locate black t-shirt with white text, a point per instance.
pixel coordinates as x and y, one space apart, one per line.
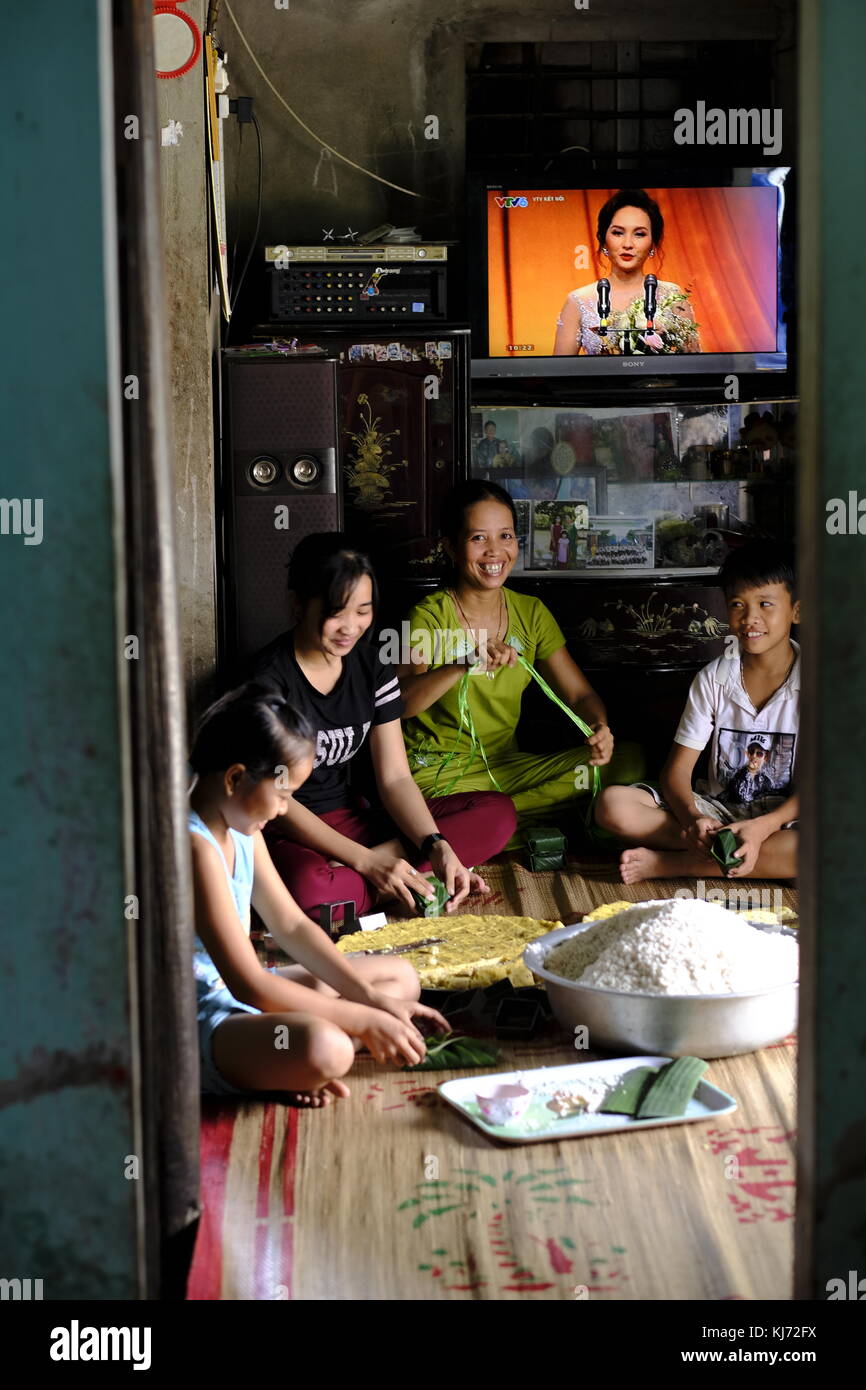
366 694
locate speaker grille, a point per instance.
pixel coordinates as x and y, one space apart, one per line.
263 555
279 409
282 405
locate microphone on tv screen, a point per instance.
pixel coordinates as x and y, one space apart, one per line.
650 291
603 288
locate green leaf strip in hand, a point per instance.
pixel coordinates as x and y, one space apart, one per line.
467 722
575 719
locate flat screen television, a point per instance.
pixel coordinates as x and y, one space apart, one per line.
538 310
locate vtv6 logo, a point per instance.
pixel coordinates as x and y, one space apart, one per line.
512 202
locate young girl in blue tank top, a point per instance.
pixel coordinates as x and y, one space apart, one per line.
296 1028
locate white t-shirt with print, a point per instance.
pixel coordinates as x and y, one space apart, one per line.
752 754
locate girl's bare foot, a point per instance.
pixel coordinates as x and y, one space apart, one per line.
314 1100
635 865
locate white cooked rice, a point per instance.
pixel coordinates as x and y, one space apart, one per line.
679 946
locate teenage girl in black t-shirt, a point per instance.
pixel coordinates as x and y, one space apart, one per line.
331 846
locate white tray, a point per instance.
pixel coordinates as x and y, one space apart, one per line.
707 1102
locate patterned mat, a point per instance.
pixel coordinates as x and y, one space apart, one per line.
392 1196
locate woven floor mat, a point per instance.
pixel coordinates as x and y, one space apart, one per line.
583 885
391 1195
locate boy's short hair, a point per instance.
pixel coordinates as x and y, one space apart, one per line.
758 563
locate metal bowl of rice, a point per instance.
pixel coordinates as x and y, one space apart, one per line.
670 1024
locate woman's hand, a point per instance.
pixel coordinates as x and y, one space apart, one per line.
458 880
751 838
393 877
499 654
391 1039
407 1009
601 743
697 834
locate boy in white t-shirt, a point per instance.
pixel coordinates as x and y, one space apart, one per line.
746 706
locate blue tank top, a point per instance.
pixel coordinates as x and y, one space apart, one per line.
240 882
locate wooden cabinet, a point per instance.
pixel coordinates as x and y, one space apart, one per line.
648 621
403 416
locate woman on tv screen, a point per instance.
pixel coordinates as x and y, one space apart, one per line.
630 231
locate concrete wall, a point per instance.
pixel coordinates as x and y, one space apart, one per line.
363 74
185 213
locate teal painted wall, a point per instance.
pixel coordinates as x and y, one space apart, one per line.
66 1114
832 1159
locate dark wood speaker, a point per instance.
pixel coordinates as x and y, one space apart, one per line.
281 482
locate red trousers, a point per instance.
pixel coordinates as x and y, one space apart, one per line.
476 825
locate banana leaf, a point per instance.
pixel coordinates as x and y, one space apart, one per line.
455 1050
628 1092
435 906
545 848
544 840
543 863
724 847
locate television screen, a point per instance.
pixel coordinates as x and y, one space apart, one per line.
713 252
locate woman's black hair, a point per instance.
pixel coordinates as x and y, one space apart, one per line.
758 563
253 725
466 495
325 565
631 198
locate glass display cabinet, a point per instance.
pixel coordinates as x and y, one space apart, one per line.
632 490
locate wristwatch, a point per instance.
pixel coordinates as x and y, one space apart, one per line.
428 842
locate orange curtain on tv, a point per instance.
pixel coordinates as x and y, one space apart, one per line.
720 242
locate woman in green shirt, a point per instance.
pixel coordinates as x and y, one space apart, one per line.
480 624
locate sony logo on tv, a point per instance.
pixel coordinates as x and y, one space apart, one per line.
512 202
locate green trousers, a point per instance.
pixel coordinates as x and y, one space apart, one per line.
544 787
